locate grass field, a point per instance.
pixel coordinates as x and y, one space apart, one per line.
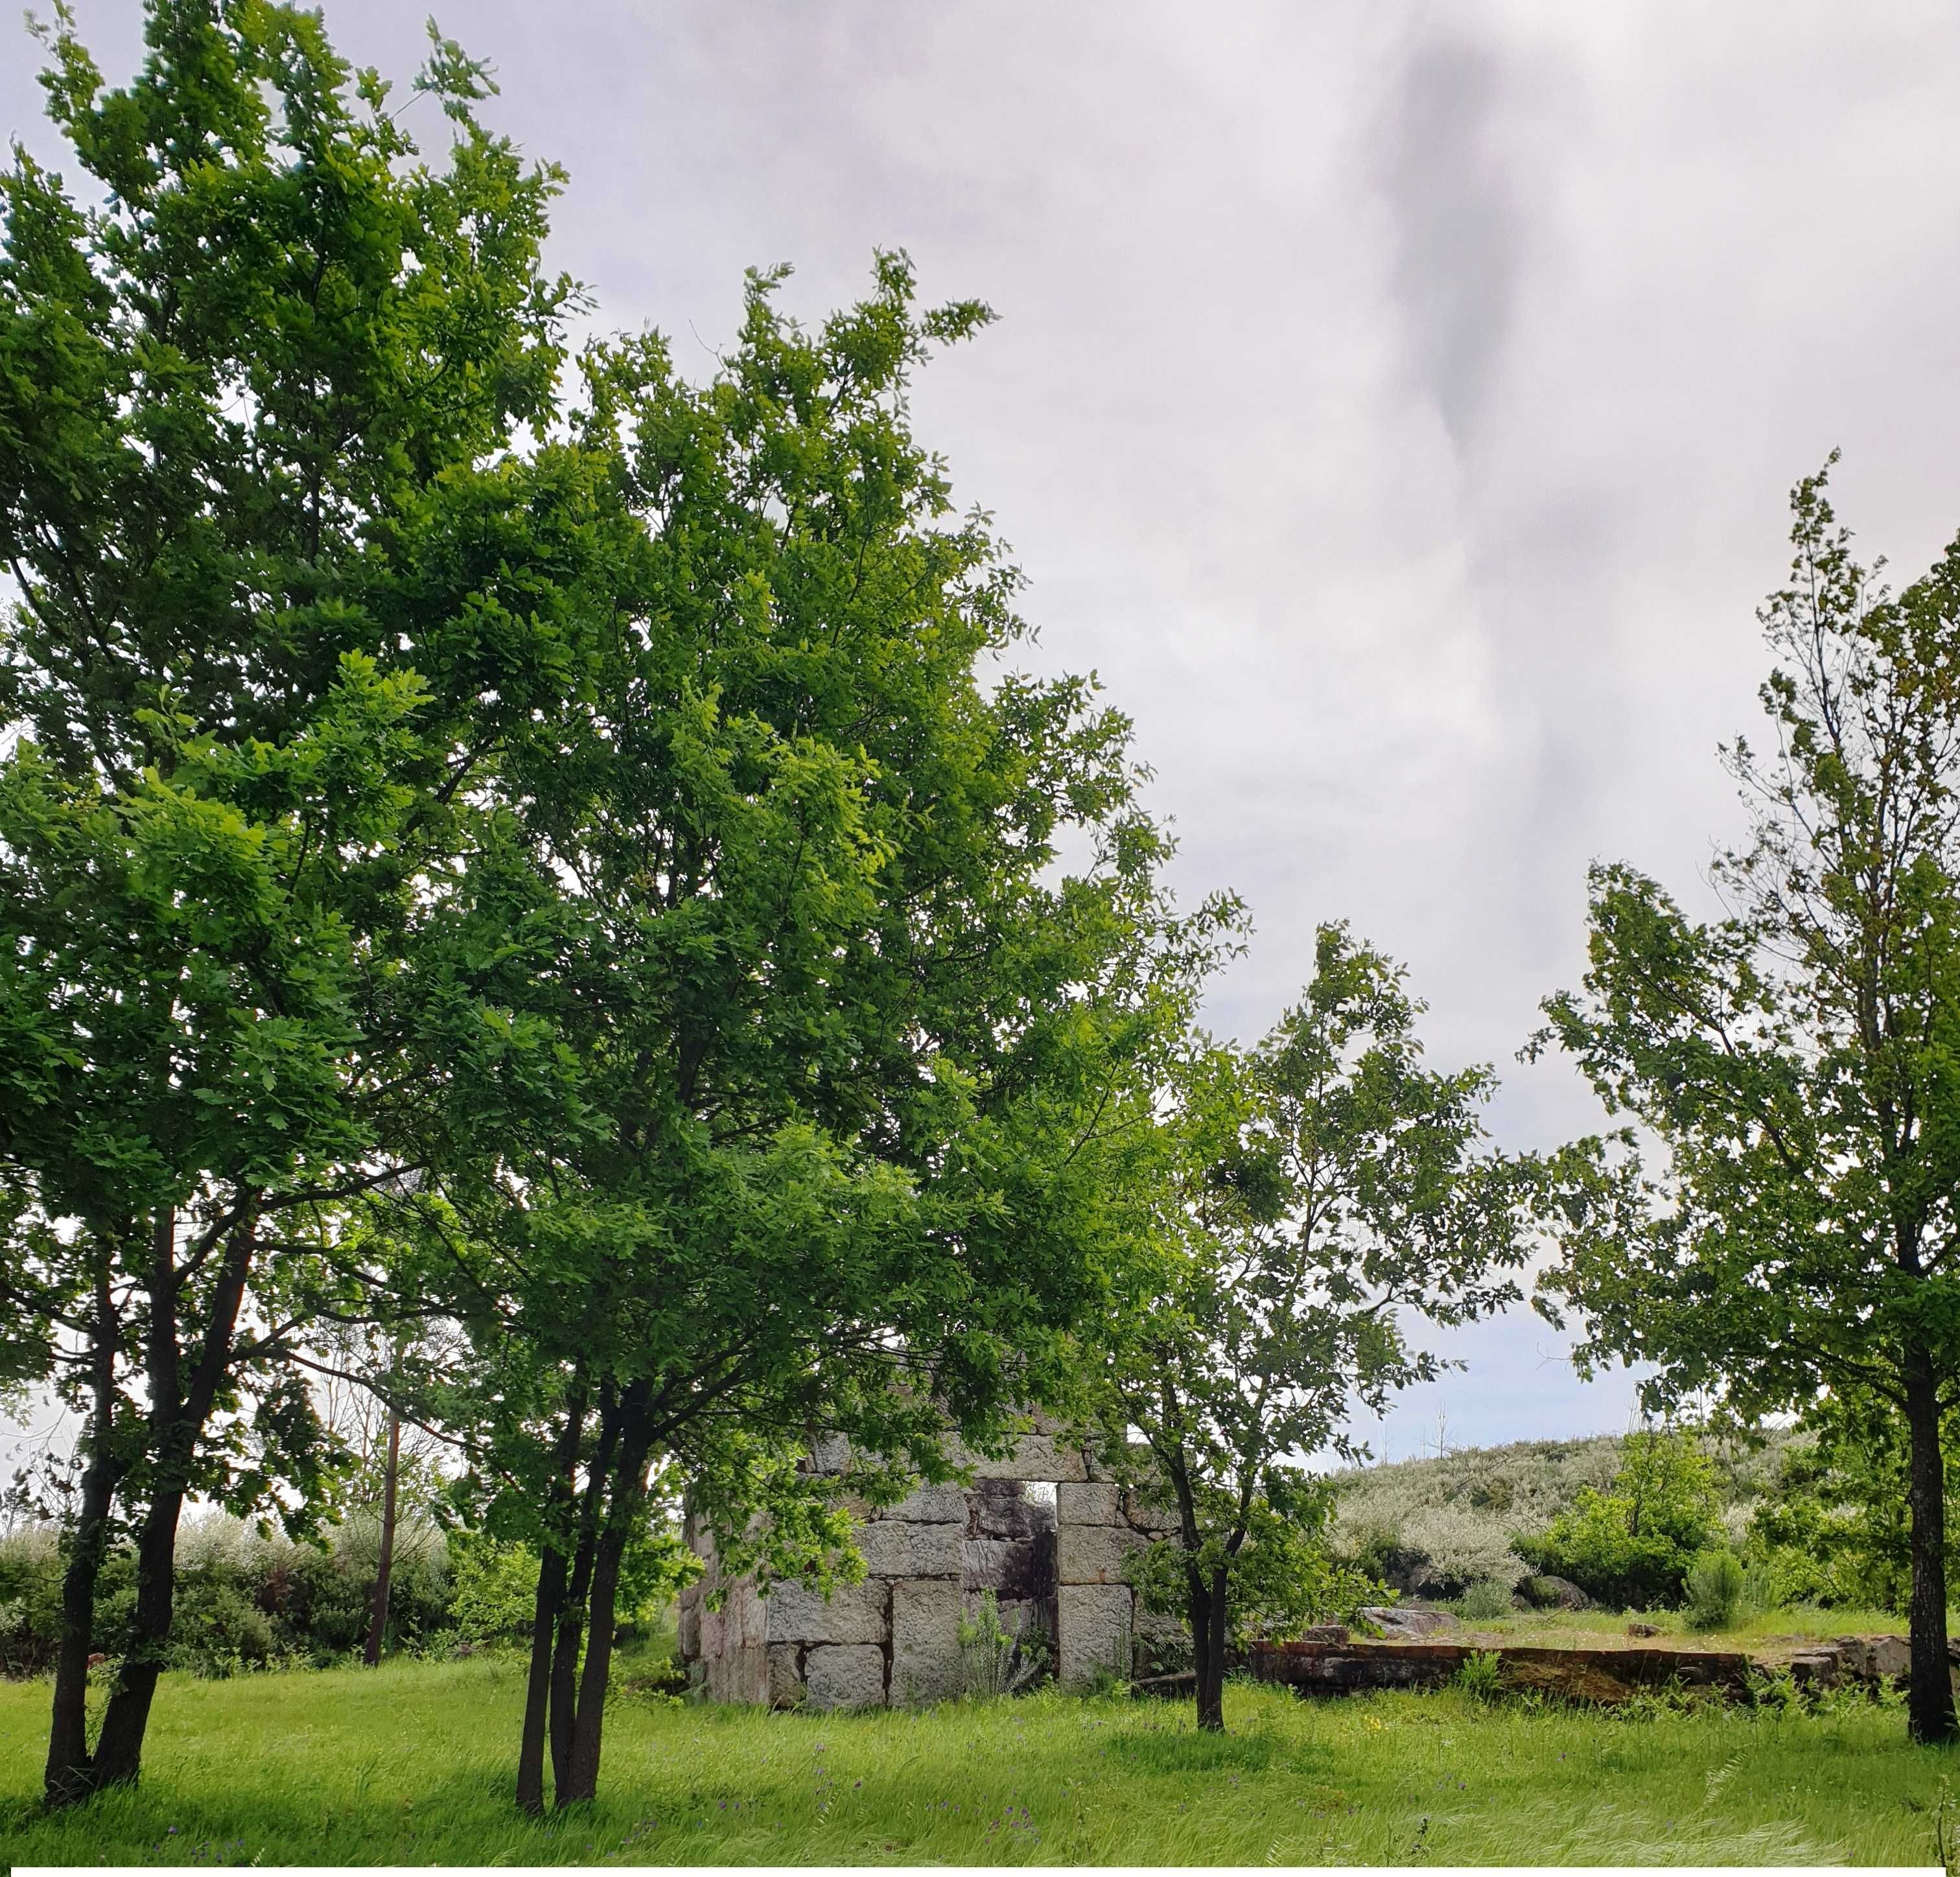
411 1764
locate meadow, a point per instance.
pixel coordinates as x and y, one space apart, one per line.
410 1764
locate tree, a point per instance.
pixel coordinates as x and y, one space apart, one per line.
771 1030
244 397
1792 1062
1307 1195
1631 1545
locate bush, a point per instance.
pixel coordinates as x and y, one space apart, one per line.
1631 1545
994 1663
1715 1588
1485 1601
496 1588
1481 1677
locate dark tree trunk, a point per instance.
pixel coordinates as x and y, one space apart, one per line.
629 1498
118 1754
550 1601
1929 1714
1205 1614
384 1568
177 1422
70 1774
572 1611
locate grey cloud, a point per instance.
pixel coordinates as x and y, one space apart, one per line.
1395 403
1459 226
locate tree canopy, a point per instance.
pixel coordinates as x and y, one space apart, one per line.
1792 1228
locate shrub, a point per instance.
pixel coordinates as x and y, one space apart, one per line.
1482 1676
1631 1545
1715 1585
1485 1601
995 1661
496 1588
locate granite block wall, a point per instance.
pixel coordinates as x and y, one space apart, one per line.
1037 1528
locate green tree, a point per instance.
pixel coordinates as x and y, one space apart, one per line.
258 385
775 1031
1791 1063
1631 1545
1307 1196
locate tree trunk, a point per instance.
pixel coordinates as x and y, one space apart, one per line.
176 1425
1929 1703
628 1496
118 1754
70 1774
384 1567
572 1611
1205 1614
550 1601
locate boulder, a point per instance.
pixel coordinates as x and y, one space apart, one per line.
1395 1622
1553 1593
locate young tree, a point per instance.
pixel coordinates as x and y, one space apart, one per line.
771 1027
1308 1196
1791 1063
257 388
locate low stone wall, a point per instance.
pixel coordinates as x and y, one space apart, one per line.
1055 1567
1337 1666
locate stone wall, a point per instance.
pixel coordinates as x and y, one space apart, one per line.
1054 1567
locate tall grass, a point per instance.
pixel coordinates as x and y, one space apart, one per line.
411 1764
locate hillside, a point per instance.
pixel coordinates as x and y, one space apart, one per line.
1440 1524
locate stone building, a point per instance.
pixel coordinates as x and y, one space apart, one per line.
1039 1529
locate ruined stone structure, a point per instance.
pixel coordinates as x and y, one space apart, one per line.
1039 1529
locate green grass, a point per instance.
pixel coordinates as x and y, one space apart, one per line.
411 1764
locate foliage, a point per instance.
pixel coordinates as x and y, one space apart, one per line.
1835 1529
1284 1578
496 1588
1791 1228
1487 1599
242 1600
1044 1778
767 981
259 384
1716 1587
1297 1200
1482 1675
993 1662
1631 1546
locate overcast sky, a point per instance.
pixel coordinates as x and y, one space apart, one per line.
1396 404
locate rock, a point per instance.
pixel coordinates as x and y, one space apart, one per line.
1553 1593
1605 1675
1395 1621
1093 1623
925 1642
1033 1456
1158 1517
1642 1629
931 1505
1816 1668
1086 1502
893 1548
786 1682
846 1675
854 1613
1874 1657
1325 1633
1094 1553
